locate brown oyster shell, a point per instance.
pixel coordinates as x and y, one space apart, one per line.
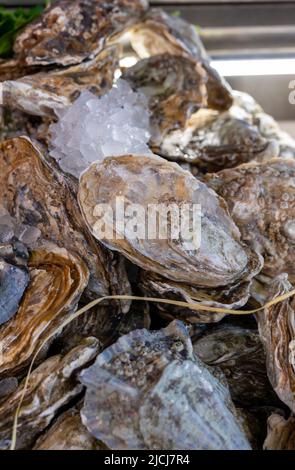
277 332
221 258
68 433
37 195
239 353
51 386
213 142
175 88
147 391
261 201
232 297
160 33
281 433
57 280
48 92
70 31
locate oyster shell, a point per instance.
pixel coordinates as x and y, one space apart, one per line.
281 433
277 332
147 391
213 141
39 197
261 201
48 92
239 353
13 282
70 31
220 260
51 386
232 297
160 33
68 433
57 280
175 87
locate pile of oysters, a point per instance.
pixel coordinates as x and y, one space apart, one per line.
133 374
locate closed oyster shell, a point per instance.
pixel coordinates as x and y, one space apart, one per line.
37 195
213 141
51 386
160 33
68 433
48 92
232 297
277 331
57 280
281 433
220 260
70 31
147 391
240 355
13 282
175 88
261 201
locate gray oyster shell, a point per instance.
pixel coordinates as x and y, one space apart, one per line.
13 282
147 391
219 260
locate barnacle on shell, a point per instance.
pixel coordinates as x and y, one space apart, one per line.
193 408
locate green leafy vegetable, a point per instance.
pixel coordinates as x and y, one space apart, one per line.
11 22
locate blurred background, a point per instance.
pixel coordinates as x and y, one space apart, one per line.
252 43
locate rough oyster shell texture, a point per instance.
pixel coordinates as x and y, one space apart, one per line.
220 260
193 409
215 141
37 195
46 93
281 433
277 331
261 201
73 30
51 386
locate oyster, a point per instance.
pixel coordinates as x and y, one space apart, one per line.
193 408
281 433
239 353
48 92
68 433
232 297
160 33
51 386
13 282
261 201
277 331
57 280
70 31
41 200
175 87
220 259
214 141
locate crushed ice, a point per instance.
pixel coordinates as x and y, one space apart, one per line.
93 128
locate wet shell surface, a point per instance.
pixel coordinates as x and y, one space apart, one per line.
193 408
220 259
